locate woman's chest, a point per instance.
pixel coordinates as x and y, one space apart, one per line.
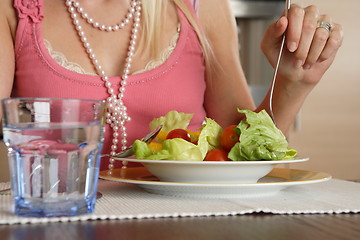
111 48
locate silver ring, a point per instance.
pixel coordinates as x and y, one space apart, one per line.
325 25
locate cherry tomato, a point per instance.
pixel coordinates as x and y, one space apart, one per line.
229 137
179 133
217 154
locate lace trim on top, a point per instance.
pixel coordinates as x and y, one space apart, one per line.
61 59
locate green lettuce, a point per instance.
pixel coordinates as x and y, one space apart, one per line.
176 149
209 137
172 120
260 139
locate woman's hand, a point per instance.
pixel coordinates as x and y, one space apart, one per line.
310 49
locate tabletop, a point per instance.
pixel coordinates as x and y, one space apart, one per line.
252 226
326 210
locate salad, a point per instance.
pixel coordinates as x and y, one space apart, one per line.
253 139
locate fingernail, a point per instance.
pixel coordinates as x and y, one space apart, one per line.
298 63
307 66
292 46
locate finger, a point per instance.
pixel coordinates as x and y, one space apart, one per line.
307 36
319 41
275 31
273 37
333 43
293 32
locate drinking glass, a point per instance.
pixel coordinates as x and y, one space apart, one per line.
54 148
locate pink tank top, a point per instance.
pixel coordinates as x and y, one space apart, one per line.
177 84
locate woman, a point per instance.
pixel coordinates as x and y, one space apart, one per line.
152 56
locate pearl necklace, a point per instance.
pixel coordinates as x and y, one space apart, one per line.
104 27
116 115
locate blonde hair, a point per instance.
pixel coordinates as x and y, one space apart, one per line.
152 12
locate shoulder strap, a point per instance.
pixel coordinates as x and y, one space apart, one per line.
33 9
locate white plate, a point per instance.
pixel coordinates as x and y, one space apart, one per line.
277 180
209 171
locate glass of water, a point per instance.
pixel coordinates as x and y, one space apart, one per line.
54 148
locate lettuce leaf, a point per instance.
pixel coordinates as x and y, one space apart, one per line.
209 137
172 120
260 139
176 149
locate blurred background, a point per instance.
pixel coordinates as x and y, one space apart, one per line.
328 127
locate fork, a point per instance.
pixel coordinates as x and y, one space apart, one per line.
128 151
287 6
